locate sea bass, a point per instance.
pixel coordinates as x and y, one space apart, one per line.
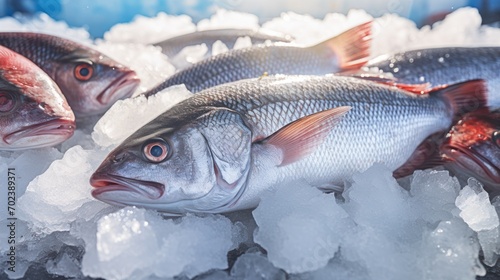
33 111
220 149
91 81
473 148
443 66
346 51
174 45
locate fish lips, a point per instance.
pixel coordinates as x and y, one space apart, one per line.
58 127
121 88
108 187
469 160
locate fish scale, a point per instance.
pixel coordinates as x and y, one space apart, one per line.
444 66
239 134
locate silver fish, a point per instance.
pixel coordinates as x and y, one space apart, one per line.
91 81
174 45
442 66
348 50
219 150
33 111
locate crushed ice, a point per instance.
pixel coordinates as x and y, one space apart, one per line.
376 230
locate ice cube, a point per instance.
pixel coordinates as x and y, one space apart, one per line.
136 243
476 209
127 116
255 266
300 227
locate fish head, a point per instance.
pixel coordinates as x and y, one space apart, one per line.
186 168
92 82
473 146
33 111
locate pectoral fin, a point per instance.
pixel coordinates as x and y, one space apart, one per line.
301 137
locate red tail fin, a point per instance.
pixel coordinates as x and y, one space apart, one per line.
464 97
352 47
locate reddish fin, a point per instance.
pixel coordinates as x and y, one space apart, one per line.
426 155
464 97
301 137
352 47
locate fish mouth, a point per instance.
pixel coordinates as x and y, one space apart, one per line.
473 162
121 88
105 183
58 127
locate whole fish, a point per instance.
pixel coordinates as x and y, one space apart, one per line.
33 111
473 148
219 150
442 66
345 51
174 45
91 81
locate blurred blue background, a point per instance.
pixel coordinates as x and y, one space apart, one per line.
99 15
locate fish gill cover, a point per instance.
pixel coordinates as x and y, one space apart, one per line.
429 229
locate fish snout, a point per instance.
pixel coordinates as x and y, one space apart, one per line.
121 88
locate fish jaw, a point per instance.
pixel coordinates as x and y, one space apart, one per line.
468 160
105 183
123 87
38 135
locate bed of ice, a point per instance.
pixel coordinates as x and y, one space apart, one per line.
423 227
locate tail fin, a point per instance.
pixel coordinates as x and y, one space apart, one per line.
352 47
464 97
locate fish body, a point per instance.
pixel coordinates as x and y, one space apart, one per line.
445 66
219 150
348 50
91 81
472 148
33 111
174 45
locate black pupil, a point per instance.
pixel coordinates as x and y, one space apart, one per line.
156 151
496 138
84 72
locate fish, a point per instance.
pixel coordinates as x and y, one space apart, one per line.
472 148
348 50
33 111
90 81
172 46
439 66
219 150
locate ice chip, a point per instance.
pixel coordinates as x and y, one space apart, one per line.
218 47
127 116
255 266
49 204
476 209
300 227
137 243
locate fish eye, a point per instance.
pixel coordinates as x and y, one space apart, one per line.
495 137
7 102
83 71
156 150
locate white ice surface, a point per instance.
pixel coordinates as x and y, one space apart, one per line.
434 230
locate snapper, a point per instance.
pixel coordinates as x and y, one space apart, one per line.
33 111
219 150
90 81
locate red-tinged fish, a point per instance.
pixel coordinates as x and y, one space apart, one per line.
473 148
219 150
348 50
174 45
33 111
440 66
91 81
